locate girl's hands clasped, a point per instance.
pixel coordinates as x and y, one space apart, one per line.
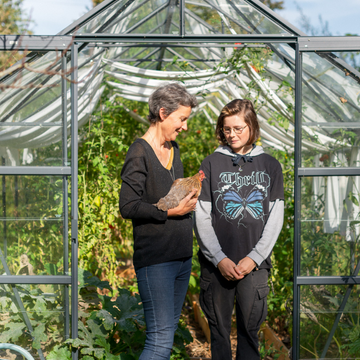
230 271
227 269
245 266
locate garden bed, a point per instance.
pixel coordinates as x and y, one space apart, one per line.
273 344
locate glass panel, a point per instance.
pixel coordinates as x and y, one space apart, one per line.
330 225
36 83
31 121
31 124
140 17
32 224
104 19
221 16
173 57
50 155
9 58
319 311
165 21
201 17
331 114
44 310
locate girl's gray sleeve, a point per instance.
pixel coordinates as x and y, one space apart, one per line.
270 233
205 233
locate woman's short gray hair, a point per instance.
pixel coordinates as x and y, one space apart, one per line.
169 97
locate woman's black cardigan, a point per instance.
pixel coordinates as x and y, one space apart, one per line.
157 237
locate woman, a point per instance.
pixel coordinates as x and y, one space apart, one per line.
239 216
162 239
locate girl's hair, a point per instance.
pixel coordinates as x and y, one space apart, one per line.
169 97
239 107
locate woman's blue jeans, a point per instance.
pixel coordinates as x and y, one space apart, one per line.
162 290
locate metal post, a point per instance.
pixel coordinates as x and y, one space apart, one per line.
16 195
297 200
74 197
352 253
65 199
182 17
4 207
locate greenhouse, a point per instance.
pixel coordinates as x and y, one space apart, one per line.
307 97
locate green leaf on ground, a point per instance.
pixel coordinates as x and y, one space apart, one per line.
13 331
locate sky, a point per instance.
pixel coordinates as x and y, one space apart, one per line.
51 16
342 15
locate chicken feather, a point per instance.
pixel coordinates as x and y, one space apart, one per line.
179 190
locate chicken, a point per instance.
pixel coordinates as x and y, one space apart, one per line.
179 190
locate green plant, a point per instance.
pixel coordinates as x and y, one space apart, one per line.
113 327
268 350
352 334
182 336
44 307
104 237
282 256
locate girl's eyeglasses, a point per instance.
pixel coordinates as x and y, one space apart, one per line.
237 130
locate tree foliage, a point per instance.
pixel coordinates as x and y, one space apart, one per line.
96 2
13 21
274 5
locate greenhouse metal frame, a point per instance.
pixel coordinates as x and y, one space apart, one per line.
65 171
71 37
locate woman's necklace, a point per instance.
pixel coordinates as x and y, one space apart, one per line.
241 167
157 151
159 156
247 158
172 174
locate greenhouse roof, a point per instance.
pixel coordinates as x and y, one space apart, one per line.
219 49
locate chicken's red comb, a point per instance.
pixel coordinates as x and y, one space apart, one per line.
202 175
